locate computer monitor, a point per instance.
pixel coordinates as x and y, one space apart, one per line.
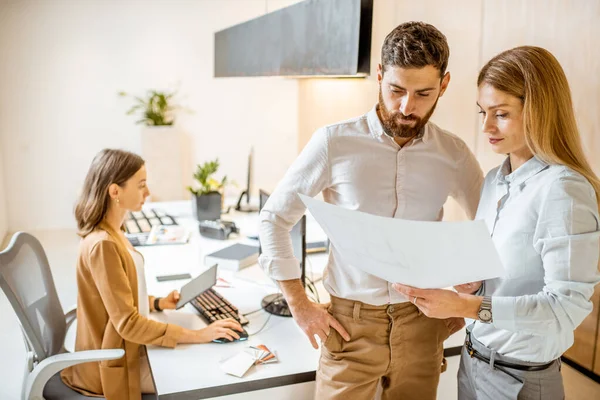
249 177
276 303
246 192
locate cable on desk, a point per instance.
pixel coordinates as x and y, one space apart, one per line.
313 282
252 312
262 327
313 289
262 308
270 315
311 286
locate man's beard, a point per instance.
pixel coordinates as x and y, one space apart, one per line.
391 121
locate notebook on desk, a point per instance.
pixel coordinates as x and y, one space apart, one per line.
234 257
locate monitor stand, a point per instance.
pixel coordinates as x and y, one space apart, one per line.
247 208
277 305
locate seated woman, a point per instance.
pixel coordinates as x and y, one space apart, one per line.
112 309
541 208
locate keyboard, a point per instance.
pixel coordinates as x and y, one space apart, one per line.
212 307
139 224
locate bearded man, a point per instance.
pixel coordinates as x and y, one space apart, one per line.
391 162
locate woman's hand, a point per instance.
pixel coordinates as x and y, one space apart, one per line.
169 302
441 303
224 328
468 288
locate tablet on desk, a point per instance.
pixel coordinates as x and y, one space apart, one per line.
199 284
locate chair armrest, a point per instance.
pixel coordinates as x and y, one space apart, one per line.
34 386
71 315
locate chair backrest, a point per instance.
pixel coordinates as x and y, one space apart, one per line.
26 280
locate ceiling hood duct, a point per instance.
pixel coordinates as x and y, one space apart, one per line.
312 38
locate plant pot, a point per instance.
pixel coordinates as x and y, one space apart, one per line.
207 206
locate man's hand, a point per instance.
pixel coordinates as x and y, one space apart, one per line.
314 319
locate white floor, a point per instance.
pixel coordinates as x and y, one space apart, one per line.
61 249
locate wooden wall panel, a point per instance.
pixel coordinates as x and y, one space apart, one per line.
596 365
568 29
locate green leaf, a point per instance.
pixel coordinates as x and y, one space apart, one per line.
133 109
156 108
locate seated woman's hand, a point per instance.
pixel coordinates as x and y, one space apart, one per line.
225 328
169 302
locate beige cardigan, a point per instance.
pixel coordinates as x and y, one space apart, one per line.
108 318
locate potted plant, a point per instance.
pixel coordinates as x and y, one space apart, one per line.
207 199
162 144
156 108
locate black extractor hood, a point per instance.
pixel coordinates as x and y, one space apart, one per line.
311 38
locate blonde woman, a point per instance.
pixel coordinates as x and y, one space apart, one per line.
112 309
541 207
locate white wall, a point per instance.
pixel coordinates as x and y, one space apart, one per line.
63 63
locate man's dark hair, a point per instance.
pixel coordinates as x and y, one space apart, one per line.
415 45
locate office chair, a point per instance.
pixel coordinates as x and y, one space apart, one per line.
26 280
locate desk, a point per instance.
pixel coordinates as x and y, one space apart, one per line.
192 371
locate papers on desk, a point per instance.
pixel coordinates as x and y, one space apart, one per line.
174 234
240 363
423 254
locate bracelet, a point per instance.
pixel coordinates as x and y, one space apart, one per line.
156 306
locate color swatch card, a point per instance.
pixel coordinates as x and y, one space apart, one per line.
262 354
240 363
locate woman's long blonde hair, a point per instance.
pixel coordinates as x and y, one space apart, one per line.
108 167
535 76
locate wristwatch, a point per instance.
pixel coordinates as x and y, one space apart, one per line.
157 304
485 310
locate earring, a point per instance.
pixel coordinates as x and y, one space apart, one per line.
118 201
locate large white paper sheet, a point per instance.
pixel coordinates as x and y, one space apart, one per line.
423 254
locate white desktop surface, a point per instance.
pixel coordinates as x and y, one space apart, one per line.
192 371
